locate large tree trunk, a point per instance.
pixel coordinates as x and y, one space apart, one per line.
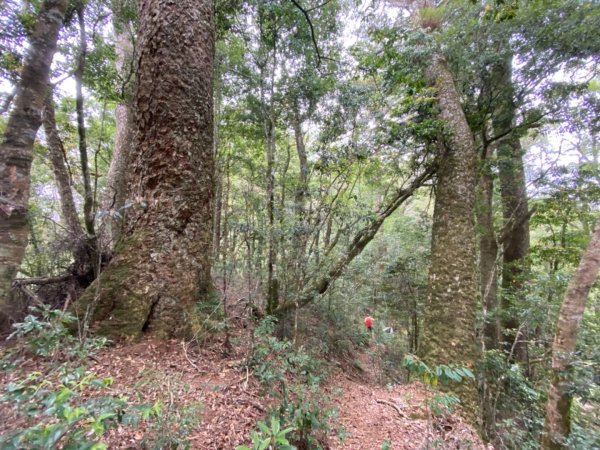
558 407
17 144
515 242
161 266
453 290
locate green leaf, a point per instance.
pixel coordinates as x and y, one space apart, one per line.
264 444
275 427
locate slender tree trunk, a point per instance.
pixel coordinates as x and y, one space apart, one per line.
488 254
218 100
88 196
57 156
115 193
161 267
488 267
17 144
272 282
515 245
301 195
452 301
558 406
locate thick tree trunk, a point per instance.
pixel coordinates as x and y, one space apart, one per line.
449 326
17 144
515 245
558 406
115 193
161 266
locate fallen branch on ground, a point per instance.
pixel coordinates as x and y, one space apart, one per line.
385 402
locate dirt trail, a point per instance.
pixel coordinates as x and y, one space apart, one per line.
393 415
233 401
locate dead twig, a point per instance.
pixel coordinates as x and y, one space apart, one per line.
385 402
185 353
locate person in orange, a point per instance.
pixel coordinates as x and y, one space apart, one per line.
369 323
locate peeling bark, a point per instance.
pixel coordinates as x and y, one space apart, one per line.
161 266
452 301
557 424
17 144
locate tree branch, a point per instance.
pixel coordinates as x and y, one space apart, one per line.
312 30
319 284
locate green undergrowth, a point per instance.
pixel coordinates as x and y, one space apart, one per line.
62 404
300 418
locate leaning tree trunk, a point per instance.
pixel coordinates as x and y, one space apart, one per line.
161 266
558 406
62 177
16 150
515 239
453 290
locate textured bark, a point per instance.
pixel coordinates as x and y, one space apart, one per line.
557 424
161 266
17 144
57 155
452 301
115 193
515 244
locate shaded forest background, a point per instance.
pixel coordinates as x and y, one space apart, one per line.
431 164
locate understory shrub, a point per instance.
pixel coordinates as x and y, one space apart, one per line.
294 378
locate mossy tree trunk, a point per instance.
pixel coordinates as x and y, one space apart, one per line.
16 149
448 335
161 266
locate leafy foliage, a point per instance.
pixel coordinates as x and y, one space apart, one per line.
293 377
63 413
47 333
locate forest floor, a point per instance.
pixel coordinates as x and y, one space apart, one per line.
232 400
